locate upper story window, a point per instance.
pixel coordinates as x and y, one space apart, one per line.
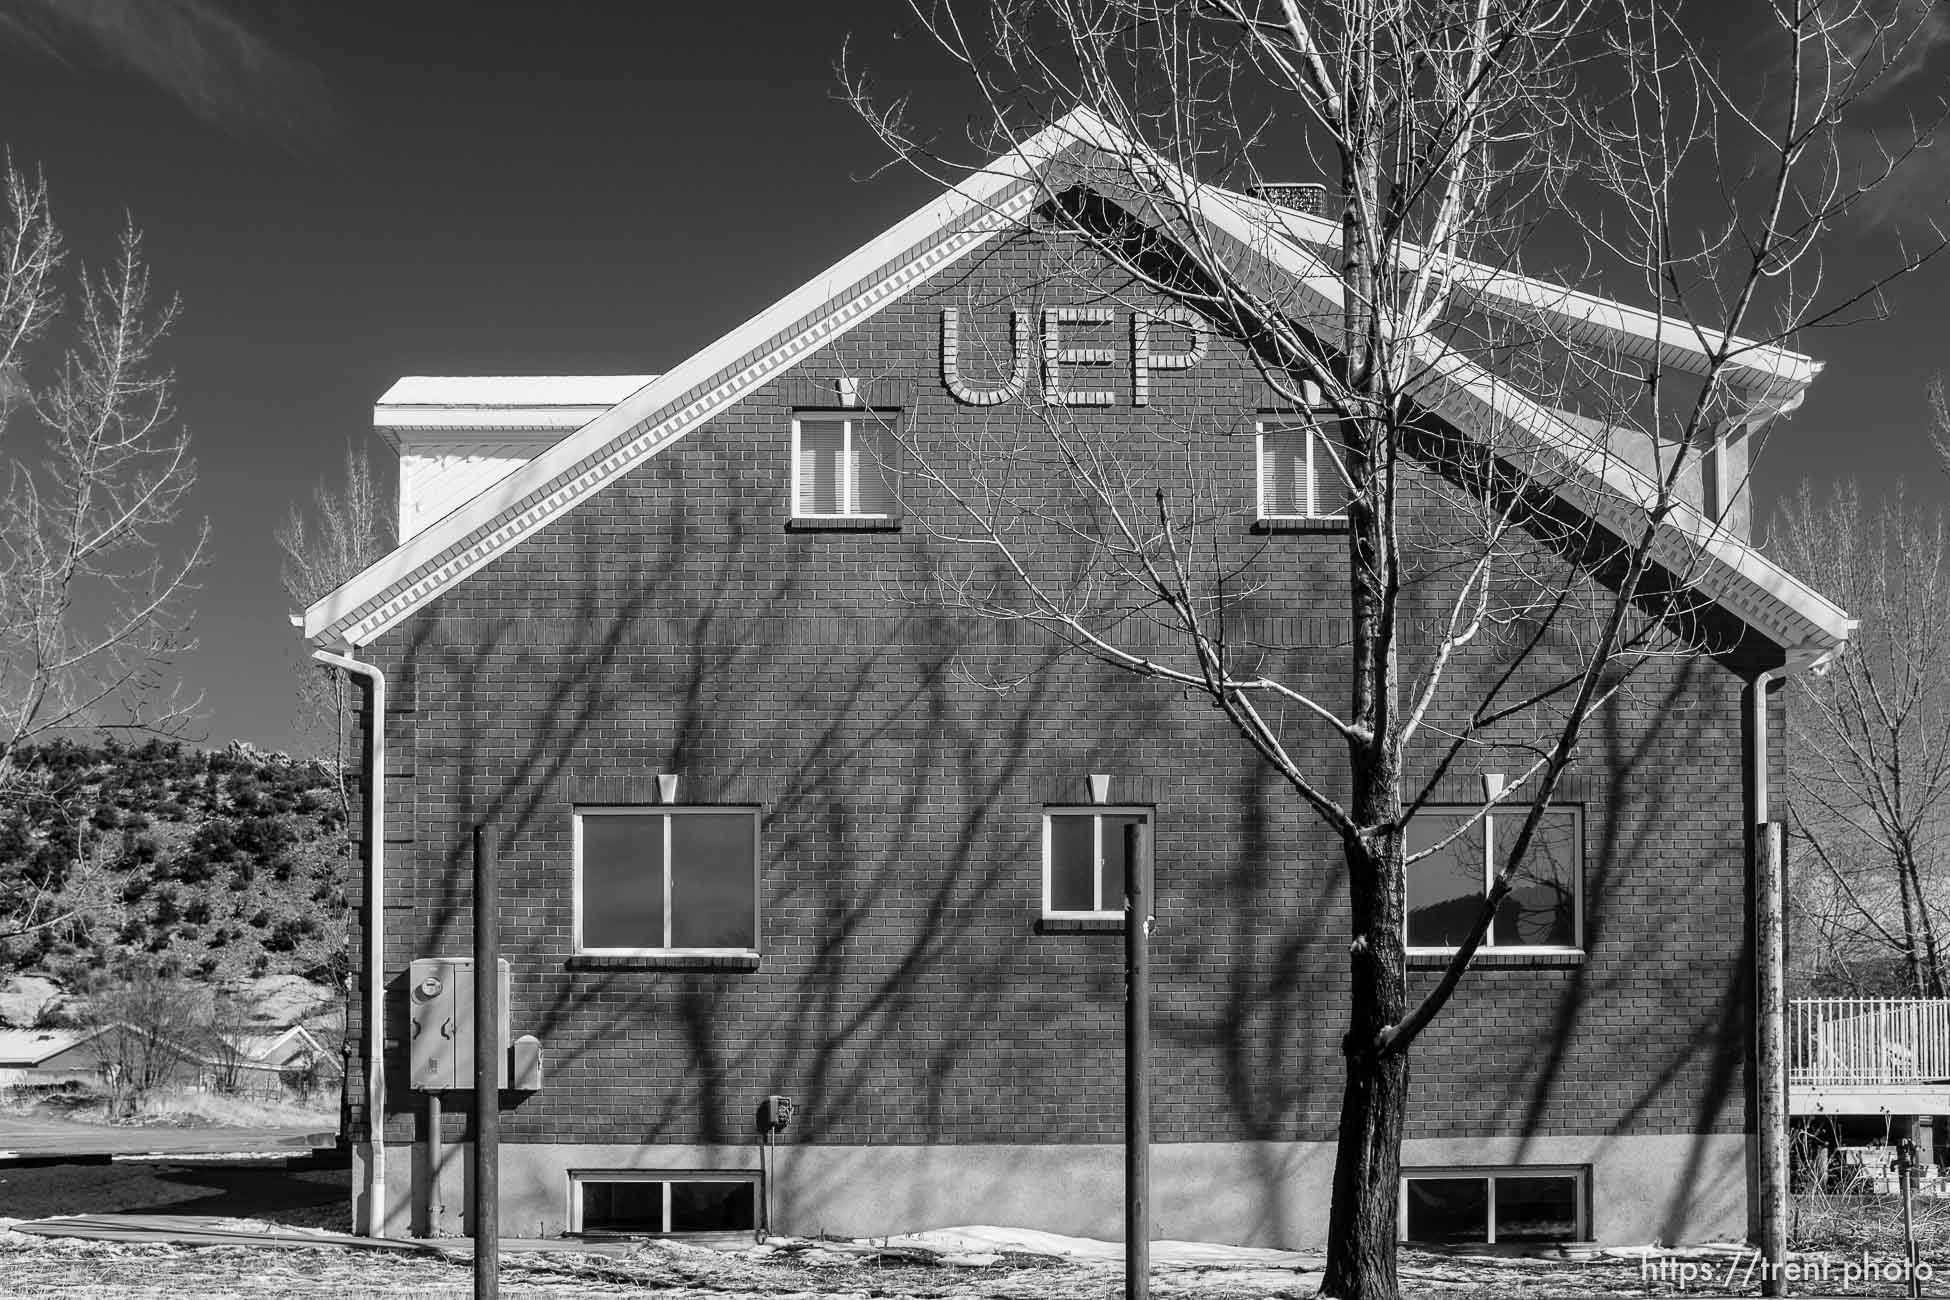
662 880
1084 862
1300 473
845 464
1544 911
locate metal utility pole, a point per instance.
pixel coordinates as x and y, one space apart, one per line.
487 1074
1906 1183
1771 1057
1137 1065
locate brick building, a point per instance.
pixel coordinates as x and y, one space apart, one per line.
886 890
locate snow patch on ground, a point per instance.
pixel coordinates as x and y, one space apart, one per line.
23 999
985 1239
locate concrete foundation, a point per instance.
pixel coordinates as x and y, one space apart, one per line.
1670 1189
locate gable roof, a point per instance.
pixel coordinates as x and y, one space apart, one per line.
26 1048
990 203
276 1046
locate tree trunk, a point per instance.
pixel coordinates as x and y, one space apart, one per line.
1930 965
1362 1225
1912 966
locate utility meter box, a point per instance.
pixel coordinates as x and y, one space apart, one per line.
440 1053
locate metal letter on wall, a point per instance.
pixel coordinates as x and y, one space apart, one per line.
1144 360
1019 346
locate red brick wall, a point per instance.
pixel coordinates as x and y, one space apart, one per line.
672 624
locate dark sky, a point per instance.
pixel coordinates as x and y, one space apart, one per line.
344 193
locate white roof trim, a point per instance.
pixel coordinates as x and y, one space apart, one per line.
1761 367
660 413
511 390
1618 492
545 405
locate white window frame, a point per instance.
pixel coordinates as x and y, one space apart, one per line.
1315 457
667 812
1579 1174
578 1178
1489 874
849 458
1096 813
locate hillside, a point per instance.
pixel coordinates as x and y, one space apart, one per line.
226 866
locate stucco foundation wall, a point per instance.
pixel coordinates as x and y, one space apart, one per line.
1674 1188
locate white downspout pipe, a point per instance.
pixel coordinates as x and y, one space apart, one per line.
375 1225
1758 724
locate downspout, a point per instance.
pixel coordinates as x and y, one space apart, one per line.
1757 729
375 1225
1771 1109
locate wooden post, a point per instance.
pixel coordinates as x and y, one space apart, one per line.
1771 1055
487 1074
1137 1051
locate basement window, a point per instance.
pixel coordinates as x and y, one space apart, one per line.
660 881
1300 473
1494 1206
1084 866
658 1202
1543 912
846 466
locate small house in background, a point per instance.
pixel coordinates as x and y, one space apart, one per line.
267 1064
270 1063
273 1063
763 834
47 1058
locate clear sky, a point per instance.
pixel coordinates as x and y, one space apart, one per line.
344 193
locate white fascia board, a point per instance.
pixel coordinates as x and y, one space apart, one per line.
419 426
566 472
548 405
1772 372
1611 477
511 390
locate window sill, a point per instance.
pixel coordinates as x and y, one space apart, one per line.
664 961
842 524
1080 925
1488 959
1300 525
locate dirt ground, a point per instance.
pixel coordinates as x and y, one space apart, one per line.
258 1189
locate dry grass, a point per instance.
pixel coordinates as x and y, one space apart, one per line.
185 1108
1850 1225
215 1110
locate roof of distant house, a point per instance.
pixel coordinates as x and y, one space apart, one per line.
25 1048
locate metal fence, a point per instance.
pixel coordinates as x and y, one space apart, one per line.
1868 1041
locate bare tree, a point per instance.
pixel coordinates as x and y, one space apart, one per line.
1871 758
1465 139
224 1042
346 529
95 566
148 1028
1940 421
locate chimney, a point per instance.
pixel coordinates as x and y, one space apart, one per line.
1300 196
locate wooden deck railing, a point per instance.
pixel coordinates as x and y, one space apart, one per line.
1868 1042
